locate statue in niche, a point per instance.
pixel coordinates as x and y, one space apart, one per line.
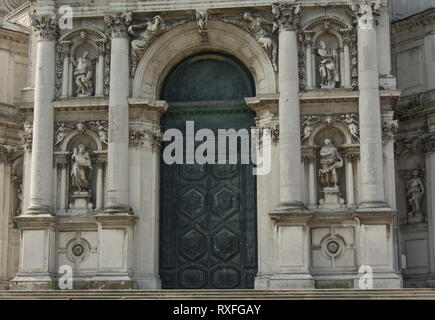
308 126
149 30
83 75
352 124
328 66
81 168
414 194
330 161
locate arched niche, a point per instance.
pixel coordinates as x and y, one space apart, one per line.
339 137
92 143
71 47
342 135
335 32
184 41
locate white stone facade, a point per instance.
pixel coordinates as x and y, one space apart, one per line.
324 84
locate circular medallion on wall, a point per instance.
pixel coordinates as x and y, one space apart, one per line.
332 246
77 249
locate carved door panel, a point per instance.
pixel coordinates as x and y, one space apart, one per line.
208 227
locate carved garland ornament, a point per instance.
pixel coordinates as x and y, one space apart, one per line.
140 136
310 122
63 130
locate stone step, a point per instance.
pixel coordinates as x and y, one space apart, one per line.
332 294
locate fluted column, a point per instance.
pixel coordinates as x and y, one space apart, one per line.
347 63
65 76
350 195
99 83
372 184
289 112
43 115
308 59
117 156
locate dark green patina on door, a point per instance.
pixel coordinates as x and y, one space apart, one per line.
208 236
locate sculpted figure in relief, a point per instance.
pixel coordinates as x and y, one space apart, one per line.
61 133
308 126
330 161
257 26
81 168
328 66
415 192
83 75
144 33
352 125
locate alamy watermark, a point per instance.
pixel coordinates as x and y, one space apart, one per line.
182 150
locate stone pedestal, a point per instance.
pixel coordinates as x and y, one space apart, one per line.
81 204
416 217
331 198
36 268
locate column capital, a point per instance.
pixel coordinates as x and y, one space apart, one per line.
46 27
286 15
365 13
117 24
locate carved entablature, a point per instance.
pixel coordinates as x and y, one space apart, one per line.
330 53
45 27
346 123
95 131
141 136
82 64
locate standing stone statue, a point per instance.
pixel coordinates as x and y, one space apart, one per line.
81 168
83 75
414 194
330 161
328 66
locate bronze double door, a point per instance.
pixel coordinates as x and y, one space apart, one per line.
208 230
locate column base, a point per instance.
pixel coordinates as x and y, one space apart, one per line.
147 283
292 281
373 204
39 210
291 207
118 209
383 280
32 282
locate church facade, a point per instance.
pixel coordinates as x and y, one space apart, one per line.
214 144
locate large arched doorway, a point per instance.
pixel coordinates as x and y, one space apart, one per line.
208 236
